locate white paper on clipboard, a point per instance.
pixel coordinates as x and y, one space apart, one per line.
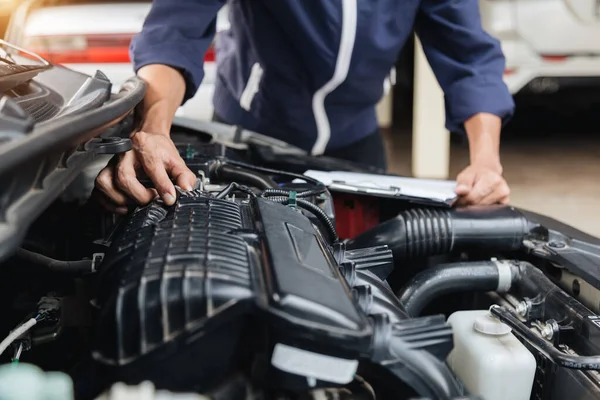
439 191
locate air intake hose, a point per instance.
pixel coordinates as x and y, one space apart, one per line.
425 232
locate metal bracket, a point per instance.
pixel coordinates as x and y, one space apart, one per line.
18 49
109 145
97 259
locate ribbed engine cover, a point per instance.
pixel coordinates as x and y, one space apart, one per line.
193 292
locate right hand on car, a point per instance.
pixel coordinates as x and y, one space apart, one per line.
153 155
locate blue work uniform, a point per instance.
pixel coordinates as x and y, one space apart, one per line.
310 72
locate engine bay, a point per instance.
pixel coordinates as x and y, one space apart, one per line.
265 283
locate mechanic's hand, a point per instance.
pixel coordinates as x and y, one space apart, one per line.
153 154
482 184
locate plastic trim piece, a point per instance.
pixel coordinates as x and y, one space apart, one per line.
35 169
313 365
73 130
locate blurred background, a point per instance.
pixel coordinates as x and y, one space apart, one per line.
550 151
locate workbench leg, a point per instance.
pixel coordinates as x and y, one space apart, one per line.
431 141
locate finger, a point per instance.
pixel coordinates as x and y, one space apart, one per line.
500 195
484 187
184 177
504 201
105 184
126 180
464 182
461 202
156 171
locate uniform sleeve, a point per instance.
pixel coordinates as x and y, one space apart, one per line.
177 33
467 62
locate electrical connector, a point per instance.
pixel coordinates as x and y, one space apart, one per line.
49 324
292 200
49 310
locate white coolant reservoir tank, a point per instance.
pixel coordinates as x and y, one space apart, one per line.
489 359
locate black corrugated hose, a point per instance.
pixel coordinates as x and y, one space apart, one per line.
412 234
424 232
282 192
320 214
234 186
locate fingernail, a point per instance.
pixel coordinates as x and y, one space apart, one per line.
121 210
461 188
169 199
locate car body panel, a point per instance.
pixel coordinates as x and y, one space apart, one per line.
559 26
74 19
545 40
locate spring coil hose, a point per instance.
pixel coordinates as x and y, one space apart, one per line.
315 210
281 192
428 232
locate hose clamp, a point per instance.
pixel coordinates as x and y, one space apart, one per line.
505 275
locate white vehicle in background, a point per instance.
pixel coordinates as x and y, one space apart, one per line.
91 35
549 44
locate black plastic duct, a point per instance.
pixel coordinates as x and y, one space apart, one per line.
427 232
376 297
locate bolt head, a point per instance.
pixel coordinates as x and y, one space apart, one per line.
547 332
557 245
521 309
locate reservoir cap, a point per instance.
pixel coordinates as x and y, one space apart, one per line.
489 325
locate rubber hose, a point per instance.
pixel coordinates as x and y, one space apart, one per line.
83 266
543 346
282 192
272 171
245 176
315 210
533 283
424 232
234 186
476 276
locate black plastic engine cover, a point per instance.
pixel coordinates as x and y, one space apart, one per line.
191 293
